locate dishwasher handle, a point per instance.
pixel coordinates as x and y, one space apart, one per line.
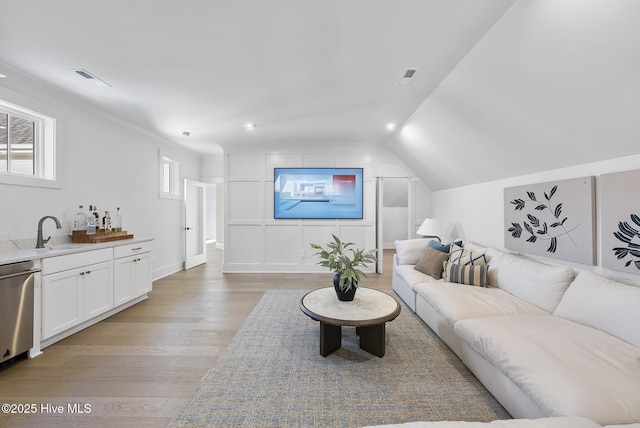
24 272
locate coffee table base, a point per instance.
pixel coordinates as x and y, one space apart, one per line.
372 338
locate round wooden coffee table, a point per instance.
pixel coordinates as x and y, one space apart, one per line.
368 312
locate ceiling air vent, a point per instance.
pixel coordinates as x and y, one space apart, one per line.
407 76
84 73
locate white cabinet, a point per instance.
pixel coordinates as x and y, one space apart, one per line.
132 271
75 288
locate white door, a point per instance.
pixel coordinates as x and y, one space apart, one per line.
195 225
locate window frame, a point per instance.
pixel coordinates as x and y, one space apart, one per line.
171 162
44 148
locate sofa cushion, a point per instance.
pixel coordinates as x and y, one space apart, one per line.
431 262
465 274
455 302
411 276
561 365
603 304
409 251
538 283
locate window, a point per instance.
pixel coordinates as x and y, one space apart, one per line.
169 177
27 145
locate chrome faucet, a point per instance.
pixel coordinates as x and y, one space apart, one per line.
40 242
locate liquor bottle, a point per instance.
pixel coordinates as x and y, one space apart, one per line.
106 222
91 222
97 216
80 222
117 221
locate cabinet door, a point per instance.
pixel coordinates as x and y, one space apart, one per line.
123 280
98 289
61 302
142 274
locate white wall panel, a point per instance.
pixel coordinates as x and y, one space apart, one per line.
281 160
244 201
244 246
245 165
319 160
275 252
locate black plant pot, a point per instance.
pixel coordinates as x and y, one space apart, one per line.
343 295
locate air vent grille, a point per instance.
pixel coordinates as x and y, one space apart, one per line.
407 76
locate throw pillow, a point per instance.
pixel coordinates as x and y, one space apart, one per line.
465 274
431 262
458 255
445 248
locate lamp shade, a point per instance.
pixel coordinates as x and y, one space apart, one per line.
428 228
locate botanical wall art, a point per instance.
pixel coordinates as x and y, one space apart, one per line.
553 219
620 214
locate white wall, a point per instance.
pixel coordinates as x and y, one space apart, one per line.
102 161
476 212
255 242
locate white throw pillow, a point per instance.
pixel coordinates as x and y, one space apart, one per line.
409 251
604 304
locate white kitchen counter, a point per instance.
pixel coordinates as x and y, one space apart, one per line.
21 250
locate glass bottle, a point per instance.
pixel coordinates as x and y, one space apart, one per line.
96 216
91 222
107 222
117 221
80 222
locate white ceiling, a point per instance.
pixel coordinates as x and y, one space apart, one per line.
505 87
553 84
304 71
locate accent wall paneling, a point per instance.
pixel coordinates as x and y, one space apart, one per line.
256 242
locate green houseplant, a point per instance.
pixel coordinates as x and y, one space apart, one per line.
345 261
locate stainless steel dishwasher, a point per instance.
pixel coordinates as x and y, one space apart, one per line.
16 309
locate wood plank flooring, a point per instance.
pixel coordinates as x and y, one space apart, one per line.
140 367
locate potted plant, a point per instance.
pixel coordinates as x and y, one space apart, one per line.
344 261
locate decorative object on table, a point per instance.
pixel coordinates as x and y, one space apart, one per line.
344 261
620 221
553 219
428 229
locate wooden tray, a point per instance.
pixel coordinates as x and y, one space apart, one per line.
81 237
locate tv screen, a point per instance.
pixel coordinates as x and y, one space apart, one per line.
317 193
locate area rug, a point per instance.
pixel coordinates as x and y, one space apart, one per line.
272 375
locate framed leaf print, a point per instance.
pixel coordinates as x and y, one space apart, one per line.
553 219
620 214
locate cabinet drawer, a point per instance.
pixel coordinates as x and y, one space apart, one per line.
132 249
72 261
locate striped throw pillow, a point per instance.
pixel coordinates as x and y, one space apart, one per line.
465 274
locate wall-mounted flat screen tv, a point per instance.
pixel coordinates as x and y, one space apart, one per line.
317 193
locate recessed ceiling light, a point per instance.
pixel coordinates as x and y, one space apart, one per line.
2 76
84 73
390 126
250 125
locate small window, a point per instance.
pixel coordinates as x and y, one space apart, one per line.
169 177
27 145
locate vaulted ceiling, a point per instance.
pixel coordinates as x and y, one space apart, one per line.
504 87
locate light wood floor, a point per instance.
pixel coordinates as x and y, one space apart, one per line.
140 367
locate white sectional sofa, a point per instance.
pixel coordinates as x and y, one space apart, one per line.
544 341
